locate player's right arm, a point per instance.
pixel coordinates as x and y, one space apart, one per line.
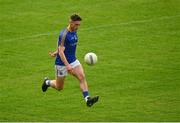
63 58
61 49
62 55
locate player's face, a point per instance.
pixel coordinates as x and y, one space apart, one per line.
75 25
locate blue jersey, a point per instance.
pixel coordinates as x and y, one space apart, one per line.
69 41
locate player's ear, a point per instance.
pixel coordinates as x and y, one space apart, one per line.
72 24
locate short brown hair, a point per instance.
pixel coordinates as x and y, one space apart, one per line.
75 17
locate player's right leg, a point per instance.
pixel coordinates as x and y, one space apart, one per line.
80 75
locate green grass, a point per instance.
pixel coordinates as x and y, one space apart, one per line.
137 75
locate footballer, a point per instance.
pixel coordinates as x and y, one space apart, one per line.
66 61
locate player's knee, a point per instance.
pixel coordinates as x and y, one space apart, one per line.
81 77
59 85
59 88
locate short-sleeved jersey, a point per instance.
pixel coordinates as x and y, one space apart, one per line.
69 41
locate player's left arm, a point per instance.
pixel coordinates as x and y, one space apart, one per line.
53 54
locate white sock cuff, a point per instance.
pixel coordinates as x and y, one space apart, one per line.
48 82
86 98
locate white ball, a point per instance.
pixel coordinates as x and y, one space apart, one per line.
90 58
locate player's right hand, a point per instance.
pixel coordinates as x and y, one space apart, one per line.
69 69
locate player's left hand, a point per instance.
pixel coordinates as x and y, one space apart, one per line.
52 54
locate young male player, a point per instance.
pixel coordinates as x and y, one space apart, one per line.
66 61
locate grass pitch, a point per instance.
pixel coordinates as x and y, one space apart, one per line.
137 76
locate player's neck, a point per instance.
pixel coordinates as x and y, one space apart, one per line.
69 28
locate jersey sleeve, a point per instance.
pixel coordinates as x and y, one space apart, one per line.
62 38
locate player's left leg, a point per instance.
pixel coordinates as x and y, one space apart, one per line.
79 74
58 83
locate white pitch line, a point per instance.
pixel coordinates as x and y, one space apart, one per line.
133 22
95 27
31 36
